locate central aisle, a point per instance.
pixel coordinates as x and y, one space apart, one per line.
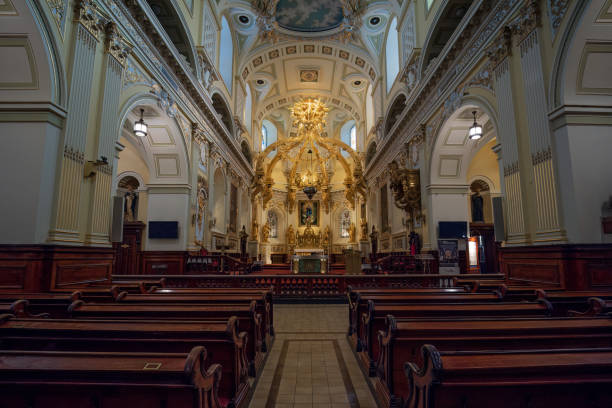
311 364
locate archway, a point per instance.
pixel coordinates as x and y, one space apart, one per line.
219 193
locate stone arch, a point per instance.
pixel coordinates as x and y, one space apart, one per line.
222 108
171 18
219 193
444 24
370 152
397 107
246 151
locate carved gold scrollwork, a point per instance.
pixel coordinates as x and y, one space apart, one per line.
405 184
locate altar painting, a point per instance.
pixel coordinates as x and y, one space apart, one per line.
309 212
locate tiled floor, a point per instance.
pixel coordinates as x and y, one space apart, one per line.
310 364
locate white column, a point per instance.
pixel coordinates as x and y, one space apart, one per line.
65 226
516 233
548 228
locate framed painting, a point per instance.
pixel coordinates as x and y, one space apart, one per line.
309 211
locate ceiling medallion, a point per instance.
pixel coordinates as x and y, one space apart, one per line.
309 75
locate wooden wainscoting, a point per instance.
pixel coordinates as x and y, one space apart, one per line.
573 267
34 268
163 262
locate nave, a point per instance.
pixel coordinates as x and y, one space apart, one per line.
311 363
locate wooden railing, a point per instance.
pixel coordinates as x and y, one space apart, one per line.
216 265
306 285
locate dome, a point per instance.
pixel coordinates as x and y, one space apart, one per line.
309 16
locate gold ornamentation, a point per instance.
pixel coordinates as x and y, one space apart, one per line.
265 232
405 185
87 15
115 45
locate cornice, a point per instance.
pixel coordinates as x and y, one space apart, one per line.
191 92
445 74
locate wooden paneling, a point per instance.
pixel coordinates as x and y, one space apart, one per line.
163 262
574 267
39 268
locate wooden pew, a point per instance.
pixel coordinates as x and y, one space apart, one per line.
375 319
94 380
19 308
262 297
359 305
248 318
564 301
224 344
402 339
597 307
534 379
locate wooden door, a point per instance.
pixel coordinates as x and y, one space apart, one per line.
128 252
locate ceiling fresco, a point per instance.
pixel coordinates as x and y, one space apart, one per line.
309 15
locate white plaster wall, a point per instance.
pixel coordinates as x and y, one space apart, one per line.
585 179
447 207
168 207
27 162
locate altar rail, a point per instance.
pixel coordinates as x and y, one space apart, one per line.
326 286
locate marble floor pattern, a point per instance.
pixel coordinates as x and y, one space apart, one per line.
310 364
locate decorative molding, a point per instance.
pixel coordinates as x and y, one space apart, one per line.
88 16
557 10
115 45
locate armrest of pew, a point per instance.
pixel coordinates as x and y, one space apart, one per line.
6 317
206 379
546 303
384 365
19 308
117 294
597 307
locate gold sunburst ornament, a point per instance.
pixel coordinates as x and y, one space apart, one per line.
309 115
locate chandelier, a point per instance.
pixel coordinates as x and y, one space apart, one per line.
140 127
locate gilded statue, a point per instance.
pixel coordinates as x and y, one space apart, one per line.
290 236
352 232
325 237
291 199
326 199
364 230
254 229
265 232
201 205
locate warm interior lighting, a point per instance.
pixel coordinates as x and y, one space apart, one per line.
140 127
309 180
475 131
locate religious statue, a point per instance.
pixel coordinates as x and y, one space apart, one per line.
290 236
201 205
291 194
477 213
254 229
374 240
265 232
131 198
243 241
352 233
326 199
364 230
325 237
414 243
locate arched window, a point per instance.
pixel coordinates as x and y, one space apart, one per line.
273 221
392 54
268 135
348 134
264 137
248 106
353 135
345 223
226 54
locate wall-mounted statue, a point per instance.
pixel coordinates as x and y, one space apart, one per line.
352 233
243 241
364 230
265 232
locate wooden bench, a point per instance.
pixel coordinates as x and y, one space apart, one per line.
91 380
19 308
263 299
564 301
359 304
597 307
375 319
248 318
402 340
534 379
225 345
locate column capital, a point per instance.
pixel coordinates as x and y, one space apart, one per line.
115 44
501 47
86 14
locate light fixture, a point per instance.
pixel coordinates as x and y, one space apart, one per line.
475 131
140 127
309 189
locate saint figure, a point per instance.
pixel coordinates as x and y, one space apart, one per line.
374 240
243 241
477 214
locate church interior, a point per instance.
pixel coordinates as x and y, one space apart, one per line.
305 204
